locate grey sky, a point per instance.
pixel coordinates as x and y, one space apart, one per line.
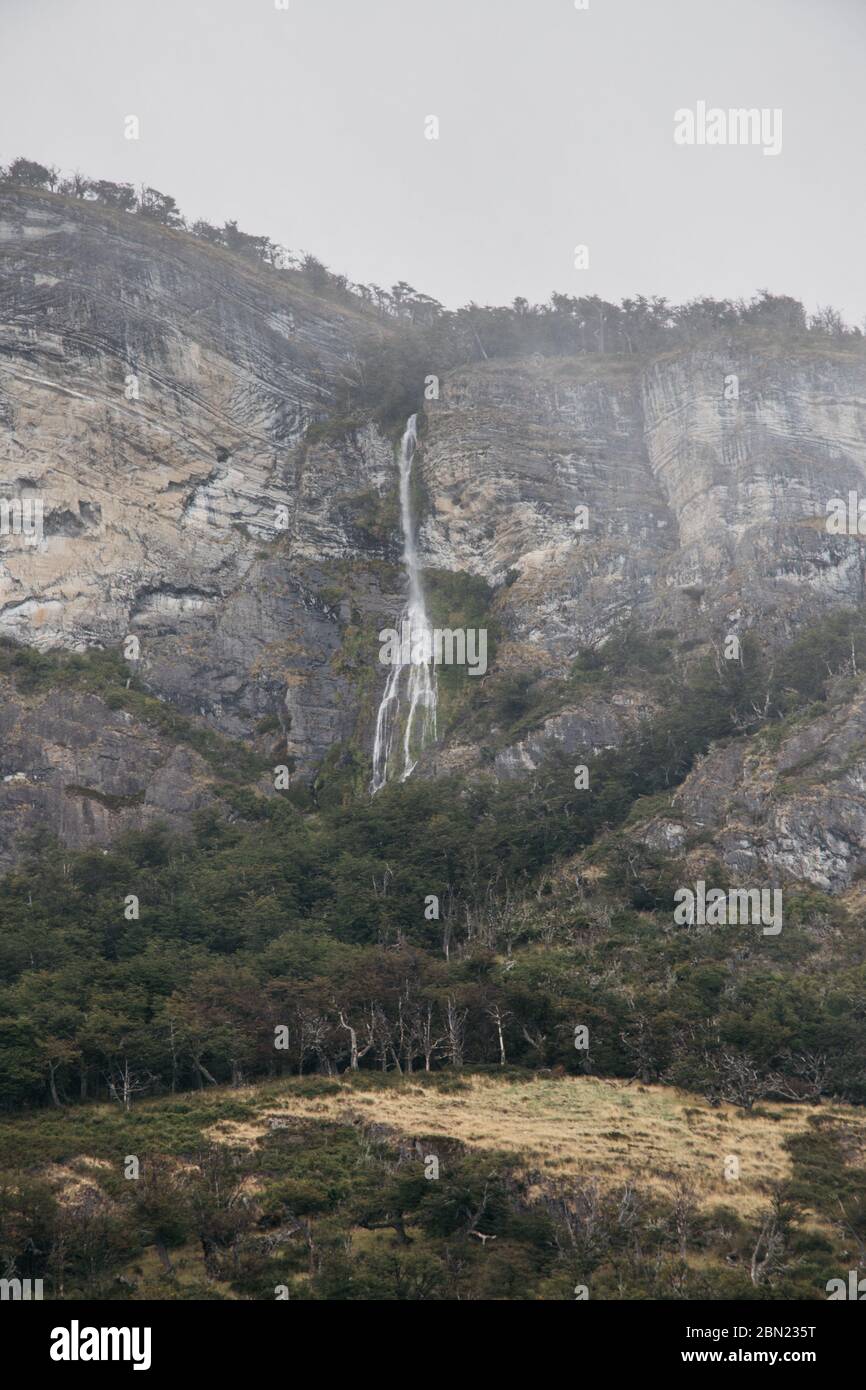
556 129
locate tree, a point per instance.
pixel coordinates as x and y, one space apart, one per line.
113 195
92 1239
124 1084
776 311
828 322
220 1014
159 207
768 1256
218 1210
737 1079
160 1200
208 232
28 174
455 1026
428 1043
77 184
355 1052
499 1017
315 272
254 247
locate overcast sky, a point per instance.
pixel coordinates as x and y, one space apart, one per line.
556 128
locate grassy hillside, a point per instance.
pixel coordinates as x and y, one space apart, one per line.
427 1187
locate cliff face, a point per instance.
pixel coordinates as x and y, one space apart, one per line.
156 393
780 809
512 450
87 772
706 515
177 410
748 479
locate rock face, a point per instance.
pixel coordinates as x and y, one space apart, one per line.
177 412
71 766
155 396
580 731
706 515
511 451
792 811
748 480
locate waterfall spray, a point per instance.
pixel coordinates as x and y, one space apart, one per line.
406 721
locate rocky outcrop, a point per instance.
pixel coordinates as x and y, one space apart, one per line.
581 731
787 805
72 766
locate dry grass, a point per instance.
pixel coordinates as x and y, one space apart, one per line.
70 1186
579 1127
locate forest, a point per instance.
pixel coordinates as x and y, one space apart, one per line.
307 932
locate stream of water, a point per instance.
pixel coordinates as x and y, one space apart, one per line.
406 722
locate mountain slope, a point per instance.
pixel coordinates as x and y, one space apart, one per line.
181 412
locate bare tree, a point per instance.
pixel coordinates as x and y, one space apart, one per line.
124 1085
455 1025
314 1037
853 1222
355 1053
410 1027
382 1034
809 1081
201 1071
640 1043
684 1209
537 1041
428 1043
479 1212
499 1016
737 1079
768 1256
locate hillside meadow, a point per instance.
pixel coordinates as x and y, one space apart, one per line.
477 1185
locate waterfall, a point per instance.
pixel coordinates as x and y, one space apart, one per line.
406 721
